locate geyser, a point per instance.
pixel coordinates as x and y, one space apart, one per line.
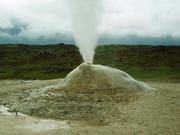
85 19
90 76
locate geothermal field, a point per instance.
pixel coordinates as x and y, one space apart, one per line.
118 94
92 99
87 98
86 88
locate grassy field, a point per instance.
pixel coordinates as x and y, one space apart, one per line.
50 62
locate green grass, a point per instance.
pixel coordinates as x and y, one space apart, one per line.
56 61
154 73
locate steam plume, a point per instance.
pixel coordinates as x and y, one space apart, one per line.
85 16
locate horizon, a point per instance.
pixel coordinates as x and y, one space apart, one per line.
126 41
99 45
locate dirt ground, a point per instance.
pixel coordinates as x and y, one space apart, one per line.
157 112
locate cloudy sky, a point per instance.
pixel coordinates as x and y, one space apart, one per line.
121 22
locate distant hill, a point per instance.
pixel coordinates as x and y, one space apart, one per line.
55 61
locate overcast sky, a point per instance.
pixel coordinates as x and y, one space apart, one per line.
121 21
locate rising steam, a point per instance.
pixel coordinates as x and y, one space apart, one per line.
85 16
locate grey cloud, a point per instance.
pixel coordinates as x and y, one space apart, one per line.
106 39
60 38
130 21
136 40
15 29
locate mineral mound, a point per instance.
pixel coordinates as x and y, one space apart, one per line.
92 93
90 76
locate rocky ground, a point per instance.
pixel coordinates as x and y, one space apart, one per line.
93 112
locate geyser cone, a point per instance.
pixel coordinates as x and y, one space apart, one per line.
90 76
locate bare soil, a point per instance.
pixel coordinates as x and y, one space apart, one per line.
151 113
